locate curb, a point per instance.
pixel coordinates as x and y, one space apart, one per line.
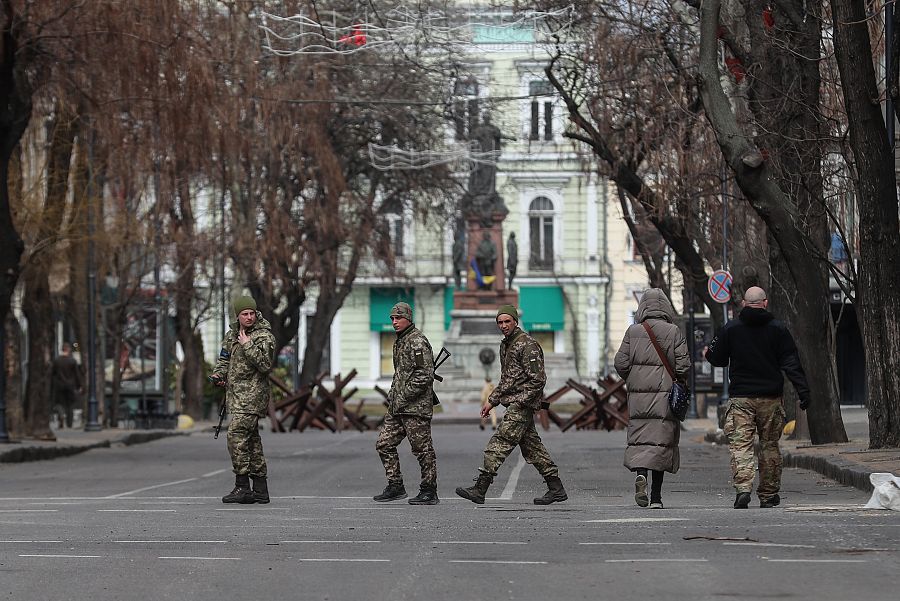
844 472
30 453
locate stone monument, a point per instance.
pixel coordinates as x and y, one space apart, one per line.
473 328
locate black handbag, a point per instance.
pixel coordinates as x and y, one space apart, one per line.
679 394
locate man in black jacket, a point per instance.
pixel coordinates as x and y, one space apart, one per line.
758 349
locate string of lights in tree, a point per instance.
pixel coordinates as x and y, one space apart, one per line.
399 28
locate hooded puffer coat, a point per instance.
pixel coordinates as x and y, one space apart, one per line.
653 432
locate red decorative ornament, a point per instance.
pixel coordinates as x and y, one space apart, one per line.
357 37
768 18
736 68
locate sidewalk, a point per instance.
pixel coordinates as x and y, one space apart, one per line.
71 441
848 463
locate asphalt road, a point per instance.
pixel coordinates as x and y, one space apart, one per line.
146 522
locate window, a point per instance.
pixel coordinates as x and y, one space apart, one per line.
387 354
392 213
542 100
465 108
545 339
540 223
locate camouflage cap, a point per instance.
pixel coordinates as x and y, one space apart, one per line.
402 310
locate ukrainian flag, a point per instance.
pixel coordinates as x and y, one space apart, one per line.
480 280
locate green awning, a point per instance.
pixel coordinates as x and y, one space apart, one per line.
380 302
448 306
542 308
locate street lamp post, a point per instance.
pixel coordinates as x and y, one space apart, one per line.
92 425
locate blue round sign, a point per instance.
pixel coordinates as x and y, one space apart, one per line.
719 286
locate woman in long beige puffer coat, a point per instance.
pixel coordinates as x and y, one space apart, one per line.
653 431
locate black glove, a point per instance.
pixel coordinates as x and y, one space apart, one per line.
804 403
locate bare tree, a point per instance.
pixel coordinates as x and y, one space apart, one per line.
878 284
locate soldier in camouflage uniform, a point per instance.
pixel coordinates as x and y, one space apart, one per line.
758 349
521 391
410 408
243 368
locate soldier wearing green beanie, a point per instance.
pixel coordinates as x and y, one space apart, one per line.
521 391
247 356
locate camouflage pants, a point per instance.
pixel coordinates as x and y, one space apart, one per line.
744 419
245 445
418 431
517 430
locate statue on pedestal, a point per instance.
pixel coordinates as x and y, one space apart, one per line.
485 257
481 198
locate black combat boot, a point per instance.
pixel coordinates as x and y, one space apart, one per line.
427 495
241 493
394 491
555 492
476 493
742 500
260 490
773 501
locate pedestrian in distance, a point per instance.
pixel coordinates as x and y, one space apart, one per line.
757 349
66 383
521 391
411 402
653 430
246 358
486 391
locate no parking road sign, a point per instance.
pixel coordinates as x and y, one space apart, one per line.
719 286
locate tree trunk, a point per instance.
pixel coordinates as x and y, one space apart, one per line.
758 181
186 260
38 304
15 412
38 310
878 284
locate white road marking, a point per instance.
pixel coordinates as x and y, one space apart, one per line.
624 543
323 559
215 473
28 510
54 503
202 558
634 520
816 560
475 542
169 541
752 544
321 448
30 541
659 560
136 510
137 490
336 542
64 556
252 508
524 563
510 487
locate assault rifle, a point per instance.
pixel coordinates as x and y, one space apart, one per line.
224 408
443 355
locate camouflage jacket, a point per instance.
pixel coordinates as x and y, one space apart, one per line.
522 376
412 389
245 367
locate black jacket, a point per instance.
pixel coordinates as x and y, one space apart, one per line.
759 348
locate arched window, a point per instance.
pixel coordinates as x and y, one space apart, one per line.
540 226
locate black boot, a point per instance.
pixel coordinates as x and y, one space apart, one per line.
476 493
260 490
394 491
742 500
427 495
555 492
241 493
773 501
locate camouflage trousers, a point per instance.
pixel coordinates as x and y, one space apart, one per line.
418 431
245 445
745 418
517 429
